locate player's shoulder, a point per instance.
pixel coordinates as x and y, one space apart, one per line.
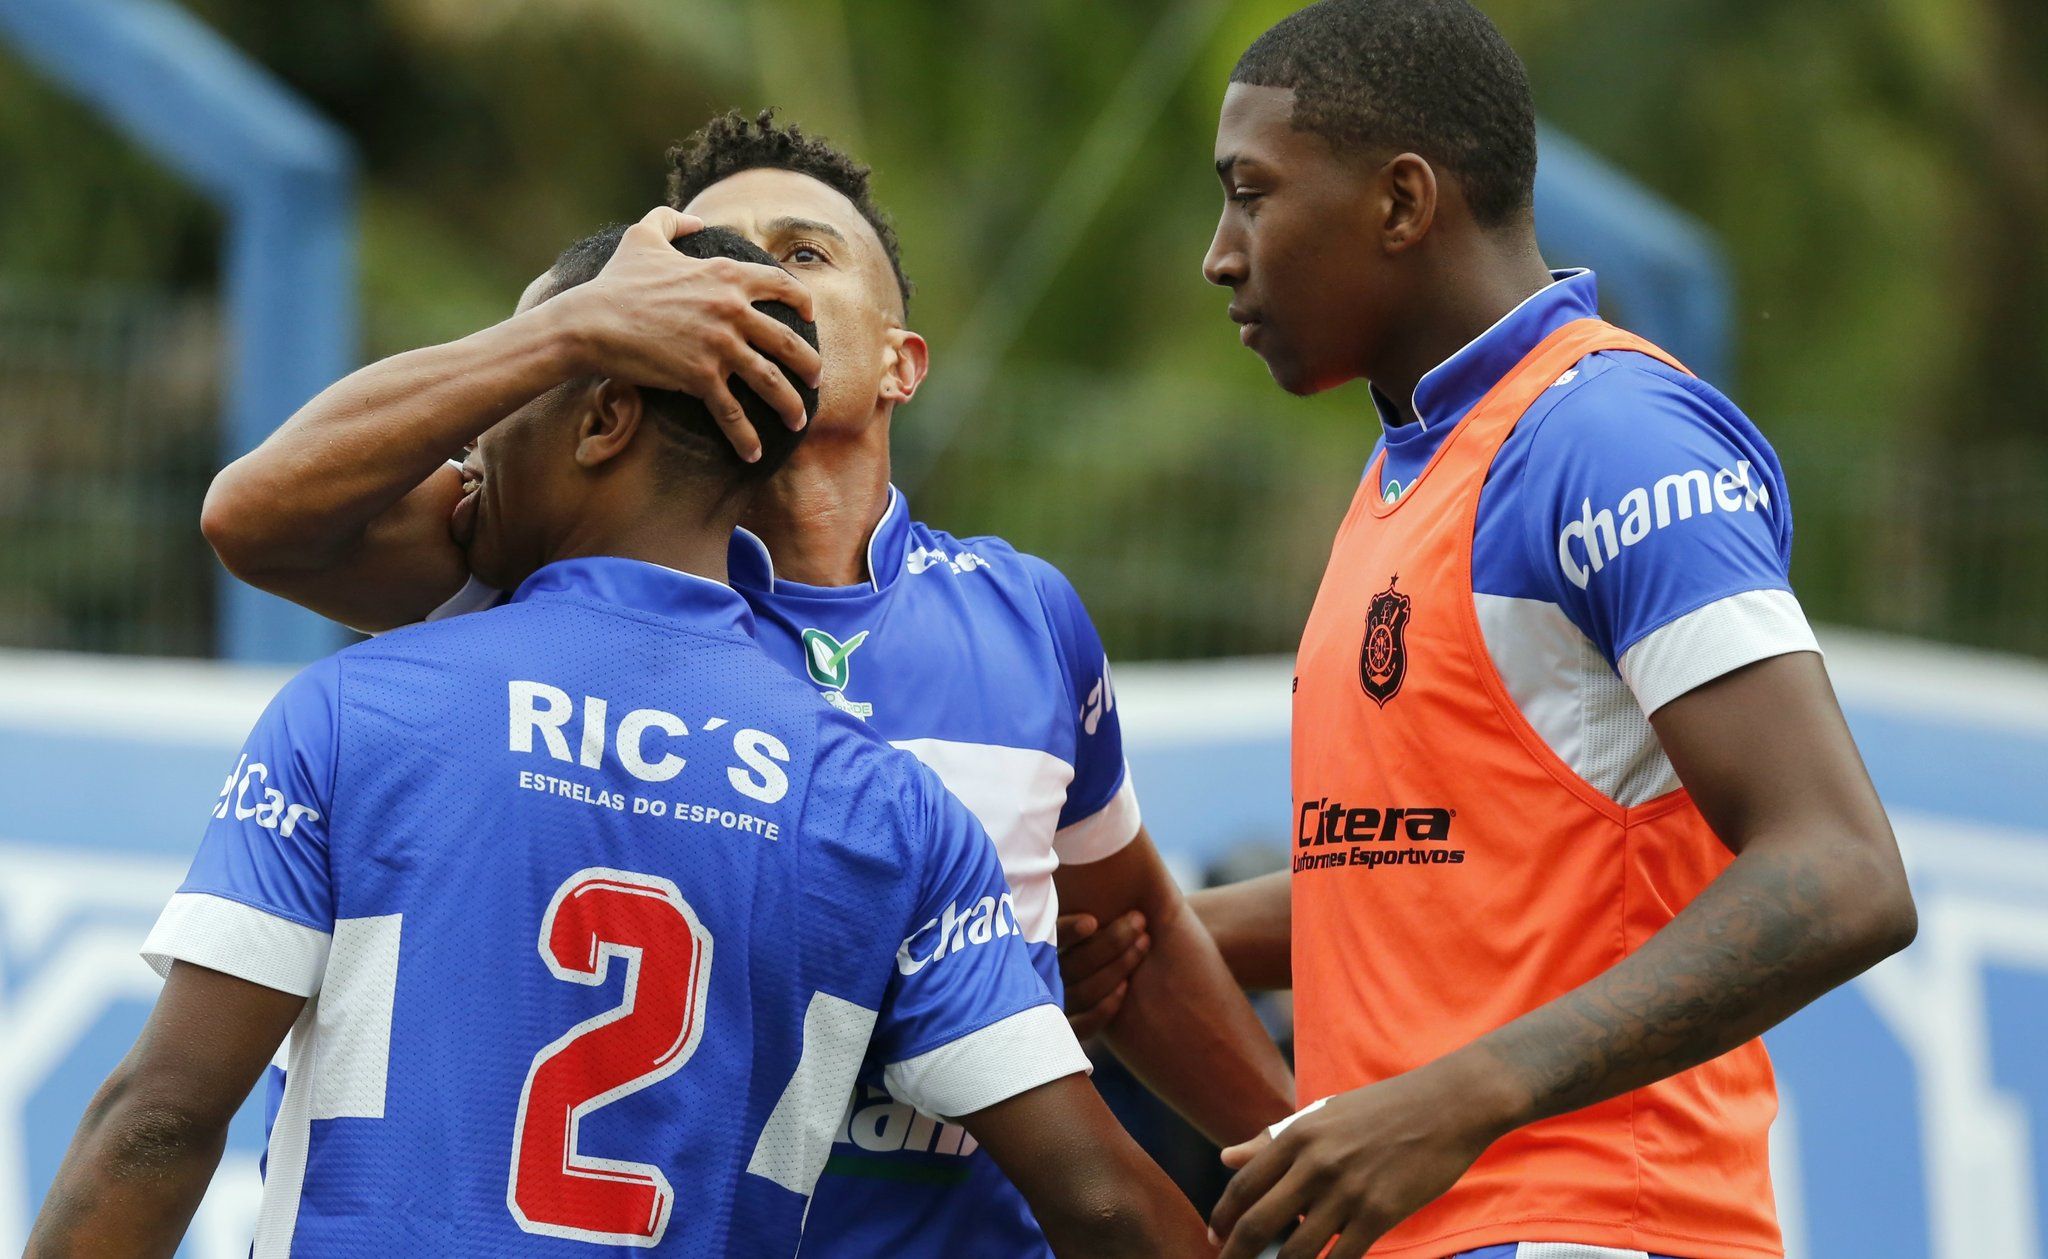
314 692
937 552
1621 407
1009 569
868 804
1619 420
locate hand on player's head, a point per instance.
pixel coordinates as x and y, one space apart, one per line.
658 318
811 205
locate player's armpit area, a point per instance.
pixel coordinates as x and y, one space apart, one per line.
148 1144
1093 1191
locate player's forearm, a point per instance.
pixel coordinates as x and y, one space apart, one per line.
1187 1032
1121 1207
1783 924
1092 1190
128 1186
1252 924
1134 1222
303 499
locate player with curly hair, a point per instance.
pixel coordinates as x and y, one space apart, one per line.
975 657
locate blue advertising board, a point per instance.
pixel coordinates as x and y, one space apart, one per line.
1915 1119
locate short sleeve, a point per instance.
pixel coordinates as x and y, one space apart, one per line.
966 1022
1100 815
1660 520
258 902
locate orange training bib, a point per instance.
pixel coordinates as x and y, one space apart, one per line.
1451 873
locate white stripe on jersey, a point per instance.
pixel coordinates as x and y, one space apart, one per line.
1103 833
1008 1057
1016 794
238 940
1597 720
797 1139
1719 638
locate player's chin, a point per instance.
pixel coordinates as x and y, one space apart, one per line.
486 561
1287 372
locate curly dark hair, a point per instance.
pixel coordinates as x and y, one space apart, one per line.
732 142
1432 76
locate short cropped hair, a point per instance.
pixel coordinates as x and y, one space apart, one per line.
680 417
732 142
1432 77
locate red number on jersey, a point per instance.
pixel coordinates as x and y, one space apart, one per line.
599 914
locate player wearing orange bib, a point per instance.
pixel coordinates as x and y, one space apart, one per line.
1577 816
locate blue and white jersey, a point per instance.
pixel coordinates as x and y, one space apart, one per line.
981 661
1634 539
601 917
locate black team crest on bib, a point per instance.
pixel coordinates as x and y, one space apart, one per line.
1383 658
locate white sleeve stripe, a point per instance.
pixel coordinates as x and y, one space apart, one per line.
238 940
1707 642
1103 833
1008 1057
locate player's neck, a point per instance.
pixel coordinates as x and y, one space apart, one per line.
696 543
817 513
1475 291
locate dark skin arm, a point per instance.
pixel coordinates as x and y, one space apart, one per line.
1091 1188
344 509
1816 895
1253 924
152 1136
1184 1028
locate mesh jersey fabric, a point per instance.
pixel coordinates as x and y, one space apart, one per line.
981 661
589 866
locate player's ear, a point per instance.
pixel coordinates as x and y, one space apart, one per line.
609 420
905 359
1406 200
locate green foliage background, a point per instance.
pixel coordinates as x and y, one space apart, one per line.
1878 174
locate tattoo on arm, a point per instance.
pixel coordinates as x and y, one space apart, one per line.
1760 942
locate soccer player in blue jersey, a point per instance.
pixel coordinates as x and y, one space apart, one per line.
977 658
583 916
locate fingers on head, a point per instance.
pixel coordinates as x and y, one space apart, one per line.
738 429
768 381
669 222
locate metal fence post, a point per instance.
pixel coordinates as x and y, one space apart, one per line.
284 177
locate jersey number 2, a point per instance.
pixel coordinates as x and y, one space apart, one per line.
599 914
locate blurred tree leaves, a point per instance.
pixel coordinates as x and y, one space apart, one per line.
1878 173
